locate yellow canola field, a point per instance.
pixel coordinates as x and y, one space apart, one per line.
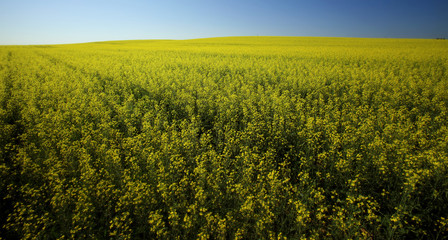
225 138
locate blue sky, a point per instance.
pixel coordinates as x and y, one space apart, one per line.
70 21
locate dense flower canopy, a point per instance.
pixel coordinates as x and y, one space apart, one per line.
226 138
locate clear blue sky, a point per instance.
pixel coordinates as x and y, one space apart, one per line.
71 21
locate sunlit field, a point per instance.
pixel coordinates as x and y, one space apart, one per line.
225 138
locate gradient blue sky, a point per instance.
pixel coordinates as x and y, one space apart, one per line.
70 21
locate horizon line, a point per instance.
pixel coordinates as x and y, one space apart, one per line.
241 36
